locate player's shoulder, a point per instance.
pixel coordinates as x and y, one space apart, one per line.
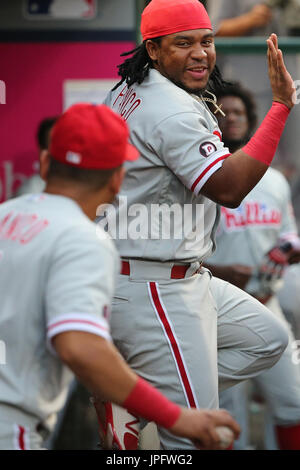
155 96
73 230
75 223
170 98
19 205
7 205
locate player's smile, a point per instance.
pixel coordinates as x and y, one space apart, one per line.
186 58
198 73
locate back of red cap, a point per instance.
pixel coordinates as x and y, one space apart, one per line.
92 137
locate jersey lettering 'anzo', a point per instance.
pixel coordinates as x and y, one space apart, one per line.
21 227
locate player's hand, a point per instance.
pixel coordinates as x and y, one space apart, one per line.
294 257
261 15
282 84
200 426
239 275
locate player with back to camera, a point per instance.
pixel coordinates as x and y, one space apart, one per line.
57 276
185 331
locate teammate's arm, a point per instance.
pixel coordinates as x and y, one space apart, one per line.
259 15
241 171
96 363
236 274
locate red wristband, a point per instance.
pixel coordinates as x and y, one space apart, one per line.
264 143
144 400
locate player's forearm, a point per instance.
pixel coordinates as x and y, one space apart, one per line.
243 169
236 274
237 177
234 27
218 271
99 366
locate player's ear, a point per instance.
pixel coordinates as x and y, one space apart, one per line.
44 164
152 49
116 180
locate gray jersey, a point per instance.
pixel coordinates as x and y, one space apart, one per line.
247 233
55 276
180 145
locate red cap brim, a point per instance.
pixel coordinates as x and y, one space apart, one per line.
131 153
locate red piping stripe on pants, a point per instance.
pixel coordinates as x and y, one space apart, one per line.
162 315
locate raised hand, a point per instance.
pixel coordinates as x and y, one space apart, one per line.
282 84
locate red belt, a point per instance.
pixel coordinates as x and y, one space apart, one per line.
178 271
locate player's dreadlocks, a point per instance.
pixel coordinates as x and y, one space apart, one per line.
136 68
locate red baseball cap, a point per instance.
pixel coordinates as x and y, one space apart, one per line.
163 17
92 137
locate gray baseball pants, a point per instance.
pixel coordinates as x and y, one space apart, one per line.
189 337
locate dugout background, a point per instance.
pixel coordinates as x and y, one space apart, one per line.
36 57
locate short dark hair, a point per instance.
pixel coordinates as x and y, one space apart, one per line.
43 131
93 179
235 89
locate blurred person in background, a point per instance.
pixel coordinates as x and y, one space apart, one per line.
289 297
242 18
248 256
35 184
255 17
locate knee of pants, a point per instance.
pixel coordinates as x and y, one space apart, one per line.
277 341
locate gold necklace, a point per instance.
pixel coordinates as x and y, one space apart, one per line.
212 100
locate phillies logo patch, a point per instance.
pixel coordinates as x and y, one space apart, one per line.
207 149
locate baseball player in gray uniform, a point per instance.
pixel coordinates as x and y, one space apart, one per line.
246 256
56 281
289 297
175 324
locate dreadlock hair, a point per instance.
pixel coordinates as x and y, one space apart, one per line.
136 68
216 83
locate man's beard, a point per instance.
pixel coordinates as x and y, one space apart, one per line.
194 91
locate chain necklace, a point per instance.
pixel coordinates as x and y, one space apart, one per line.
212 100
